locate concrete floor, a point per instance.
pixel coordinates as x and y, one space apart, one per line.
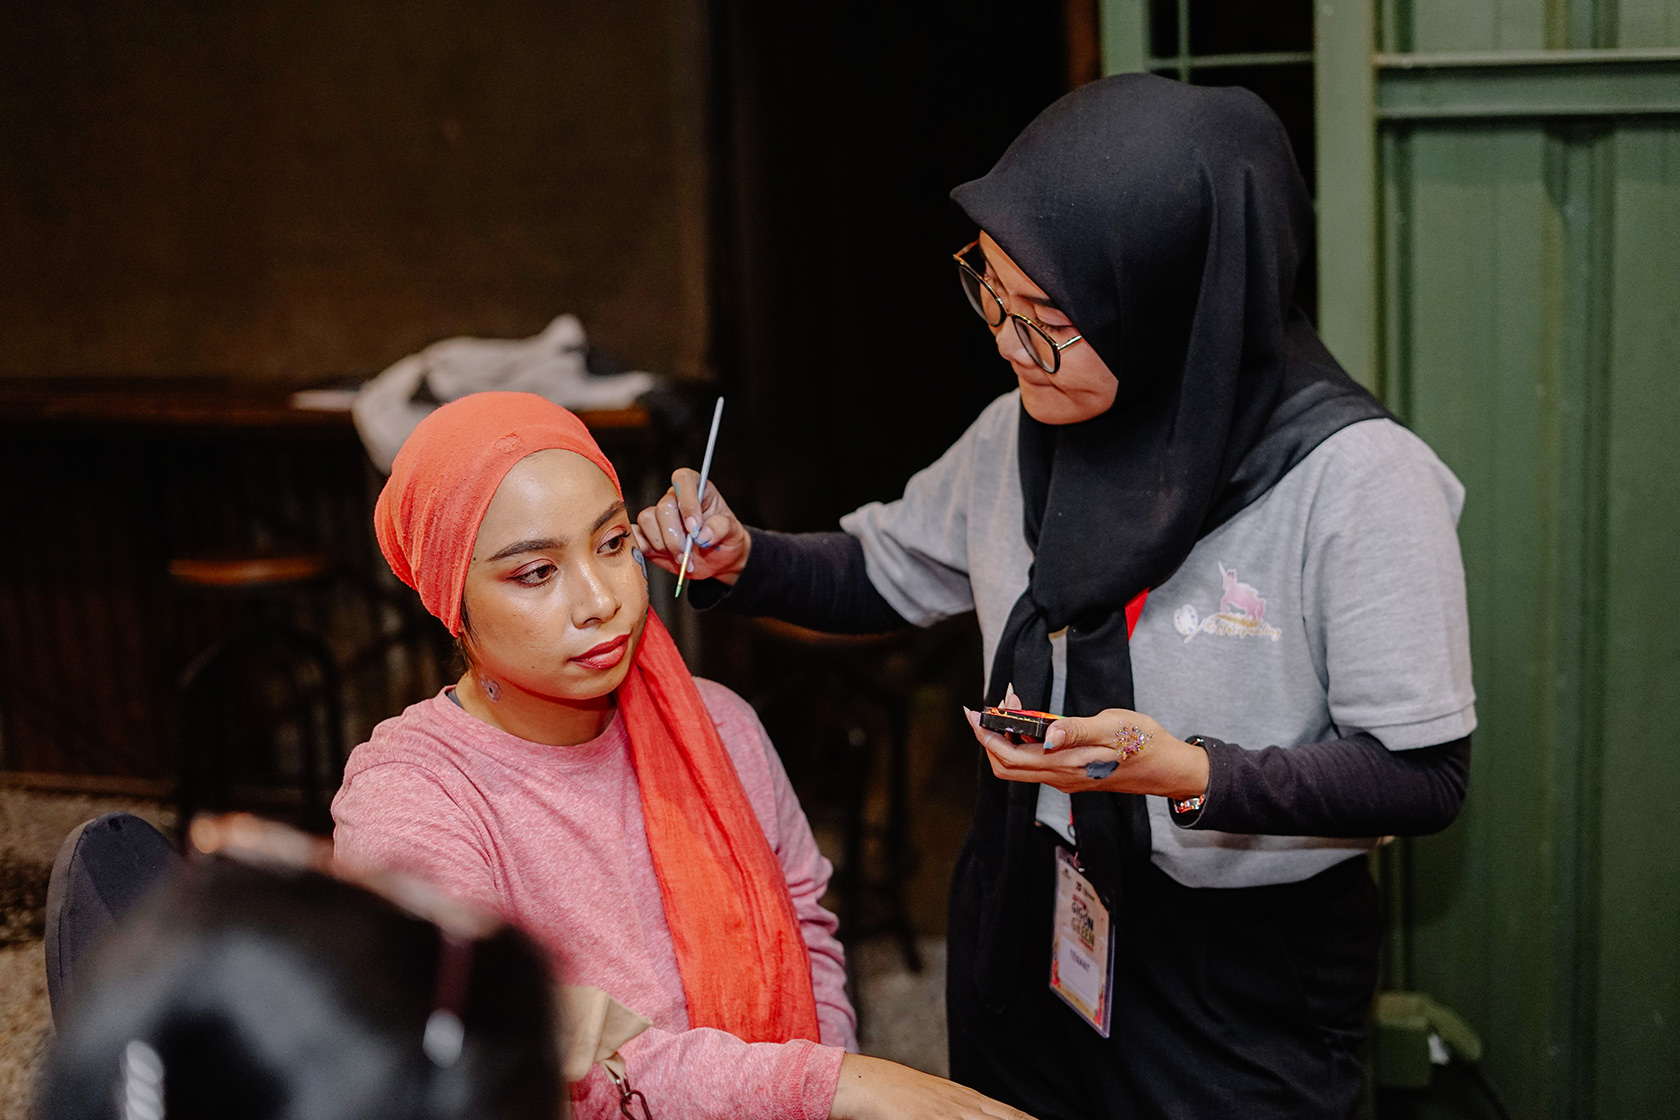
31 826
904 1012
24 1024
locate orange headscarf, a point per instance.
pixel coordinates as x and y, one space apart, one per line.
744 966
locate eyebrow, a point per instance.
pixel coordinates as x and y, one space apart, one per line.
535 544
1040 301
543 544
611 512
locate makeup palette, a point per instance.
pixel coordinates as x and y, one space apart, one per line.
1015 721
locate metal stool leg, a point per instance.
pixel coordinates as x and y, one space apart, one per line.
899 854
315 695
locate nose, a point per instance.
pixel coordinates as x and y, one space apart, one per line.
1009 343
593 599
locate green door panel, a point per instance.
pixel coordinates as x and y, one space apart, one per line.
1474 243
1638 1045
1429 26
1453 25
1532 284
1499 248
1647 23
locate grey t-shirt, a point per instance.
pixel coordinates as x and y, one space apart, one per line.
1334 603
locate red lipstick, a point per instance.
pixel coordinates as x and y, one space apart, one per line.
606 655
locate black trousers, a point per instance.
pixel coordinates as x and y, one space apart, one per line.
1247 1002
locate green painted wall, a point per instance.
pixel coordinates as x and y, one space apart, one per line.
1530 321
1500 247
1533 319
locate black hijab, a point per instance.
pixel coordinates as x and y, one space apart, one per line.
1168 222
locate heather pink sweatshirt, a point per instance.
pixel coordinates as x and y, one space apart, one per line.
553 839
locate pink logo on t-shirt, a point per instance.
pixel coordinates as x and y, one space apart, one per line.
1241 614
1240 596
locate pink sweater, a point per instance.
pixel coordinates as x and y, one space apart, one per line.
553 839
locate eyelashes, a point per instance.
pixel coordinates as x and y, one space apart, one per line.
533 576
539 573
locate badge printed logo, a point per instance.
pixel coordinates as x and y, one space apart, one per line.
1241 614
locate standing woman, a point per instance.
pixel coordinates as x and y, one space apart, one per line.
1238 575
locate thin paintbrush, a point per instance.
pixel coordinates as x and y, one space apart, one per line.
705 469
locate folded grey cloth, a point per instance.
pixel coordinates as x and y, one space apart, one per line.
550 364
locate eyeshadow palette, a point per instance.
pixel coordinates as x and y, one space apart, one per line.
1013 721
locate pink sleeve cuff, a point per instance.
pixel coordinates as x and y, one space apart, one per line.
822 1078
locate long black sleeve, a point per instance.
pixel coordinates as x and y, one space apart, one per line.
816 580
1350 787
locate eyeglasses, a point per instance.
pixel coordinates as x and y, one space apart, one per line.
1046 352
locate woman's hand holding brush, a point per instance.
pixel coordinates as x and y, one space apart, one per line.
722 544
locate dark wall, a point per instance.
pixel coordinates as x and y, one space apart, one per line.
850 352
311 188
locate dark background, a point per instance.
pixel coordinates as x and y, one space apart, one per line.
751 197
739 192
302 192
840 325
309 189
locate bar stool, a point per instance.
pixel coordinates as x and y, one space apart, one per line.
256 680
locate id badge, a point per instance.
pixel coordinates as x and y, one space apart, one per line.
1081 946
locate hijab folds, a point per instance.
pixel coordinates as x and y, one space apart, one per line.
1169 223
745 968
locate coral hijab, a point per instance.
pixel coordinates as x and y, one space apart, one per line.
745 968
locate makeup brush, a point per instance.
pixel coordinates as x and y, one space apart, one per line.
705 469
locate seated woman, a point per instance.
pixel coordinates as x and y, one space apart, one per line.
578 781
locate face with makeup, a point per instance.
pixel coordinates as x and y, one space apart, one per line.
555 601
1082 387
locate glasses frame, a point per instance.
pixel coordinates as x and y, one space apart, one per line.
1023 323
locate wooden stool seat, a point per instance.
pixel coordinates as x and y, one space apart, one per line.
249 571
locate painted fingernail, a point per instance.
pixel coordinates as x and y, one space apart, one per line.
1055 738
704 542
693 524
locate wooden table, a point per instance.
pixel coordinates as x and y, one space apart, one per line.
206 403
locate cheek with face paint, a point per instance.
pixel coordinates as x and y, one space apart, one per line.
541 642
556 598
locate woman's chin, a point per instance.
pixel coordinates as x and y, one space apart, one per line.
573 685
582 683
1049 405
589 689
585 685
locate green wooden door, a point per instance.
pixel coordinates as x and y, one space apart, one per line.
1499 205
